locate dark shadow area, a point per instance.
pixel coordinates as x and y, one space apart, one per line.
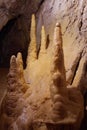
84 122
13 39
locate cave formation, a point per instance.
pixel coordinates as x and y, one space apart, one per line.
51 92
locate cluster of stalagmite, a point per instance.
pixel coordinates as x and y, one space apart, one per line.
58 86
65 98
12 105
44 96
16 75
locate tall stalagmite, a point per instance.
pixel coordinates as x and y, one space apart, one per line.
43 97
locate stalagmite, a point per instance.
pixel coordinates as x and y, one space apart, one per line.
32 48
11 108
12 74
44 97
58 69
43 41
13 102
58 74
64 104
21 72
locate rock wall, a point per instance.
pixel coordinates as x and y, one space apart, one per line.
15 26
10 9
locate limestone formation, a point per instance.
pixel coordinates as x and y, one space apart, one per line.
60 94
40 95
72 15
32 49
11 98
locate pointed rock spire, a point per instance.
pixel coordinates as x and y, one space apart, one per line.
43 41
32 48
20 73
12 75
58 70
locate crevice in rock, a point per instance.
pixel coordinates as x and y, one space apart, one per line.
80 25
40 4
76 68
81 19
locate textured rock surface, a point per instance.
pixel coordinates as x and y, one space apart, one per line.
15 18
11 9
44 96
72 16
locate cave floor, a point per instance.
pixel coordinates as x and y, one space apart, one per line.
3 82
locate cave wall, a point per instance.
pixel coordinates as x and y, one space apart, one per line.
15 26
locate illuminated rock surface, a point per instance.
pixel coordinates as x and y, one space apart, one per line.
72 15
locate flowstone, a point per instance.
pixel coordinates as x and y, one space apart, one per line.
39 95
